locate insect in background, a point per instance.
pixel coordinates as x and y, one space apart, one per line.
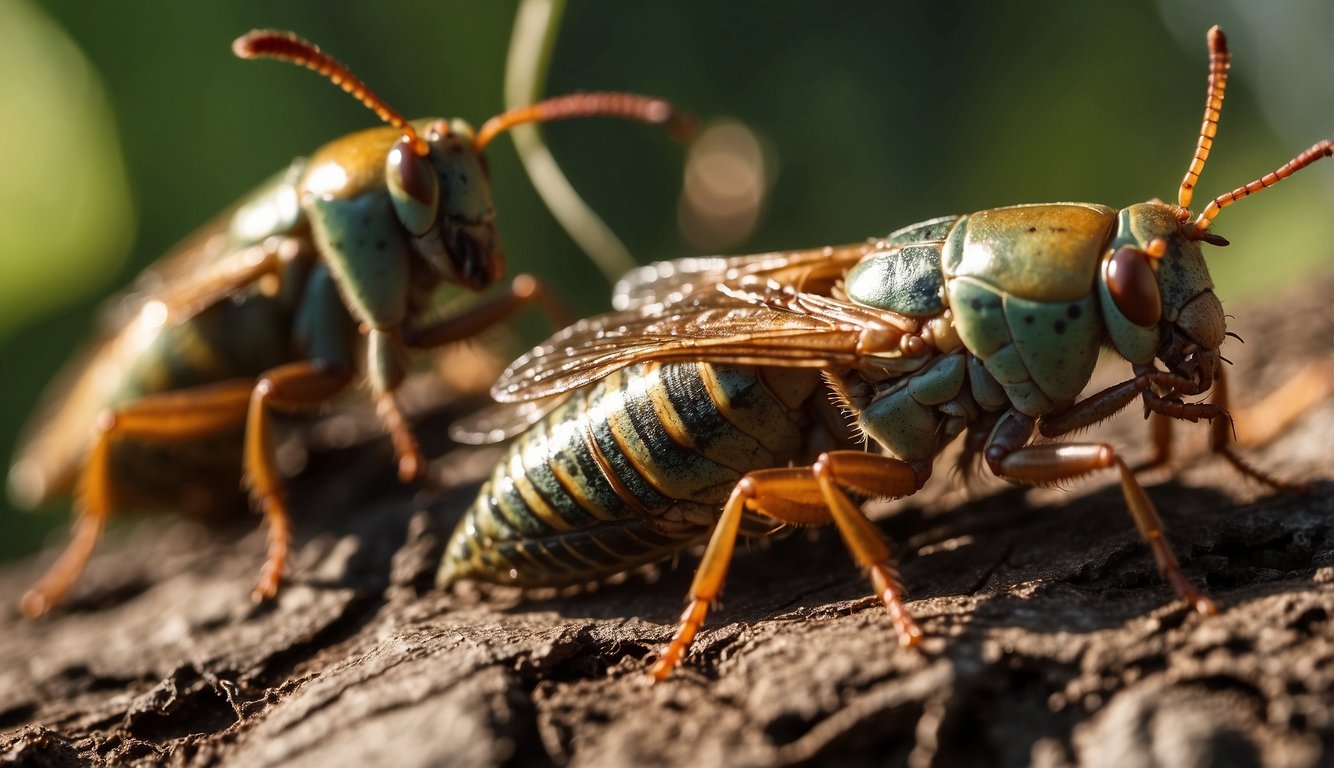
322 276
723 383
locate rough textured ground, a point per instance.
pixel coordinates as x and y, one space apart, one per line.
1052 640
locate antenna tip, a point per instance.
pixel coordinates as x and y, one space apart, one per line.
244 46
267 42
1217 40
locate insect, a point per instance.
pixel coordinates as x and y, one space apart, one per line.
701 409
322 276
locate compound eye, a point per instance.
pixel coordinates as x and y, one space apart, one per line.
1133 285
413 186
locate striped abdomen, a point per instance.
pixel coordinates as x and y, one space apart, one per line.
626 472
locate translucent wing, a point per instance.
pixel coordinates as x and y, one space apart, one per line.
499 422
815 270
758 322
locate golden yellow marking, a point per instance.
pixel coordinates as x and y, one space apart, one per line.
622 428
1045 252
665 412
751 424
608 472
573 488
717 393
673 483
533 499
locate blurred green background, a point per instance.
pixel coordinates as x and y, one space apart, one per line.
126 125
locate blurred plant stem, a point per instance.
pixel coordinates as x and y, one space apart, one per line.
535 28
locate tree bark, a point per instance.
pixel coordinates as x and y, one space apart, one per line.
1052 639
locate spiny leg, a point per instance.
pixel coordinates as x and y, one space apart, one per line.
802 496
1112 400
181 415
291 387
524 291
1262 422
1252 426
1010 457
1162 413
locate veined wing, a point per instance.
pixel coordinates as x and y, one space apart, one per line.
499 422
814 270
759 322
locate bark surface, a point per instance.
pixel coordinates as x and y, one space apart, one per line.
1052 640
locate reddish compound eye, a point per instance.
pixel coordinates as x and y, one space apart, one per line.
1134 286
413 187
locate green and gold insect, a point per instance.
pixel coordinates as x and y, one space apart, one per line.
323 275
710 388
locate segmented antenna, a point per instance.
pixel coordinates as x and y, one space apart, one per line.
1219 61
630 106
1324 148
287 46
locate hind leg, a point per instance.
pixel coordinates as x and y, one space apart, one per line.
172 416
804 496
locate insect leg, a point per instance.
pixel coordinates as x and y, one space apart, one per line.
1107 403
1231 428
806 496
410 459
166 417
294 386
1160 431
524 290
1011 458
1262 422
1162 412
876 476
1112 400
708 581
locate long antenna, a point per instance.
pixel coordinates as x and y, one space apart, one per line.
1219 61
629 106
1323 148
287 46
536 26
